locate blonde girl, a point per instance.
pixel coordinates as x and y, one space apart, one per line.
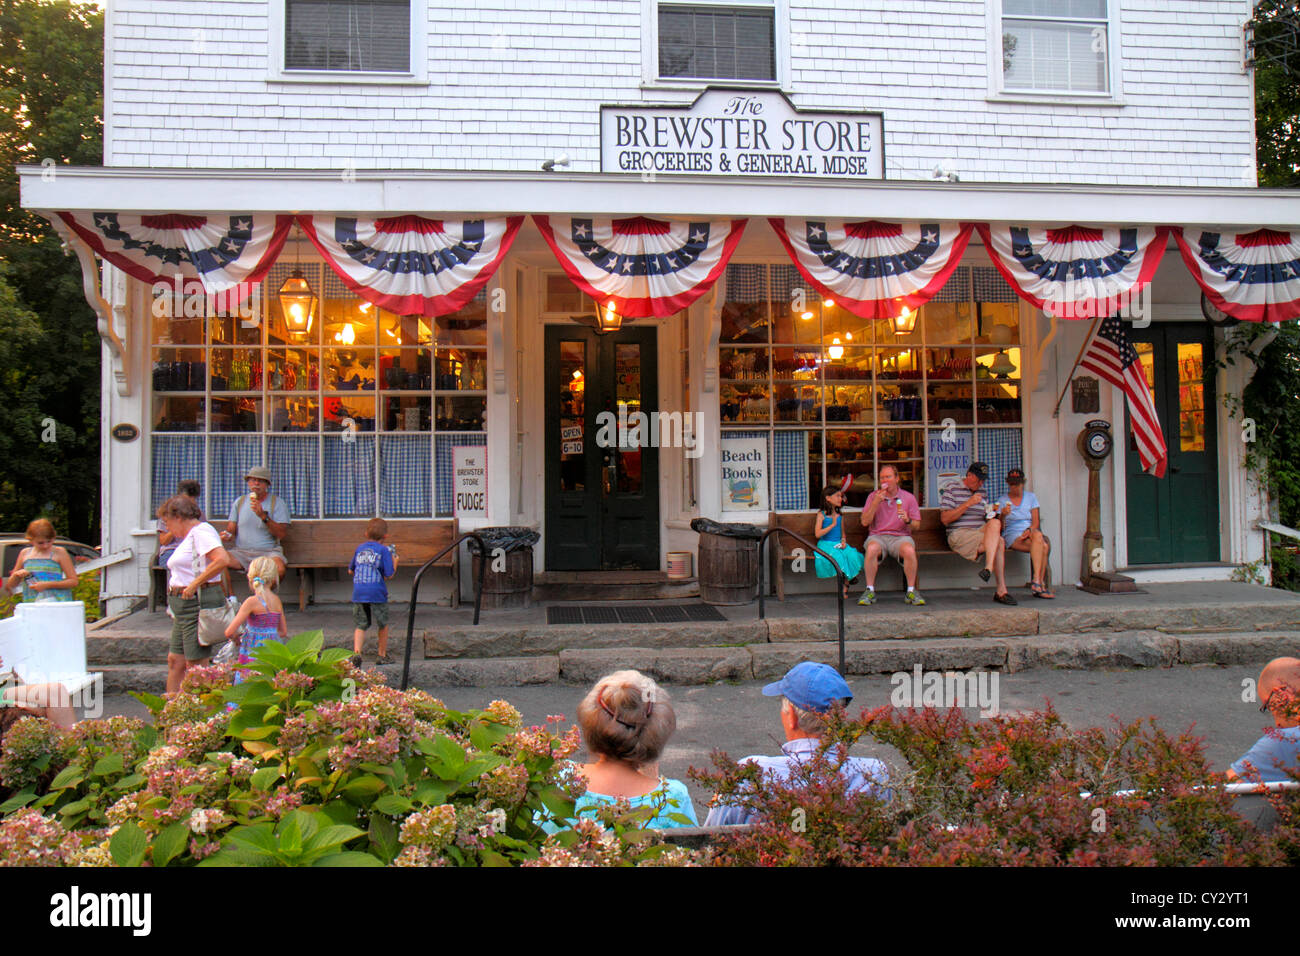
262 615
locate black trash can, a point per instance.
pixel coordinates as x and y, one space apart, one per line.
512 584
727 564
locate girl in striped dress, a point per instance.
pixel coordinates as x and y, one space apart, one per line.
262 615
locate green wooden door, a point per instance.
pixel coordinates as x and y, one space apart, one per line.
602 484
1175 519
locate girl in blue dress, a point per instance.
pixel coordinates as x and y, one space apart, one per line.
262 615
830 538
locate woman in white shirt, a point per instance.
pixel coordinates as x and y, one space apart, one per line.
1021 532
193 582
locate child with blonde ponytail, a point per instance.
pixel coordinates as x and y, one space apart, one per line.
262 615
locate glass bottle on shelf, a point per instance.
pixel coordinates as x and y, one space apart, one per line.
255 382
313 378
290 376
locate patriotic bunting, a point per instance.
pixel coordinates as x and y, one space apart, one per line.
872 268
225 252
1111 355
642 267
411 265
1249 275
1077 272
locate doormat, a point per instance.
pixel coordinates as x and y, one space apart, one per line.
631 614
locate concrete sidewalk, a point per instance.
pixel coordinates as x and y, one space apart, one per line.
1168 624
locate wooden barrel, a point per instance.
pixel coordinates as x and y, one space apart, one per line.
510 587
727 569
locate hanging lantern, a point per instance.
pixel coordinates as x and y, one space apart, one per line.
297 303
904 322
609 321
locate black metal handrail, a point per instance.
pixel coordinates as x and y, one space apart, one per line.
841 581
415 590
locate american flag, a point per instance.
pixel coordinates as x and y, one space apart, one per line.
1111 355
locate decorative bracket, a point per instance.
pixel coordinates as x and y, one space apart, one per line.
90 287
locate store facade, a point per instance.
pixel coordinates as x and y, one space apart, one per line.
473 387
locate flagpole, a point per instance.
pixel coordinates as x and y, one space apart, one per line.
1056 412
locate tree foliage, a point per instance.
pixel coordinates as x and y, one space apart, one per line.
51 101
1277 94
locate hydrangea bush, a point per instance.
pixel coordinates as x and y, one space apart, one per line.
308 762
1012 790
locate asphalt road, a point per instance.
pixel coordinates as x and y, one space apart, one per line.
736 718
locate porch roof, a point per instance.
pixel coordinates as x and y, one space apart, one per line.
467 193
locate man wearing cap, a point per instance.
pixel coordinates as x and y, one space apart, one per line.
807 691
889 518
974 528
257 524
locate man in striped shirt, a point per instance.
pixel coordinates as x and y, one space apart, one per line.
974 529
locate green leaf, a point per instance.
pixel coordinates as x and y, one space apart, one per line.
152 701
291 836
348 858
450 752
17 802
77 806
258 838
392 804
340 811
107 765
554 799
265 778
128 844
169 843
308 642
364 786
69 776
485 735
332 655
384 838
493 858
434 792
331 836
130 782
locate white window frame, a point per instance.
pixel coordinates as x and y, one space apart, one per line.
417 75
650 78
1112 96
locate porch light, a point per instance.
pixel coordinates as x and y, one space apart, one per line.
297 303
609 321
904 322
806 316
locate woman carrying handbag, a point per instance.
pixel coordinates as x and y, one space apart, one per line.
193 584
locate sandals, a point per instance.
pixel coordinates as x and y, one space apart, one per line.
1040 591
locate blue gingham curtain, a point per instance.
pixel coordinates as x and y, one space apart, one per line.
349 476
784 279
405 475
176 459
991 287
790 470
295 473
957 288
445 443
231 459
746 283
1000 449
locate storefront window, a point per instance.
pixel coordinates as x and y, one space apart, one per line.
356 416
838 395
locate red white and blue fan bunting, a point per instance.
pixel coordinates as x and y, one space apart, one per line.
411 265
1249 275
224 251
872 268
1077 272
642 267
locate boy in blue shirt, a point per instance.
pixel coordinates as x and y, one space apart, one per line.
371 566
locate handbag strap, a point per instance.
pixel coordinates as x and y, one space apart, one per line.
198 569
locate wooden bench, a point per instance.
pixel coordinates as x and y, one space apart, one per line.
331 544
931 539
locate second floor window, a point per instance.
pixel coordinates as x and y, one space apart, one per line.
717 42
1051 46
364 36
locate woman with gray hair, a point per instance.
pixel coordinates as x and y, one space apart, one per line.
626 721
193 582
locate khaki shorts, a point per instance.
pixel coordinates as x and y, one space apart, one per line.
891 544
245 556
966 542
185 622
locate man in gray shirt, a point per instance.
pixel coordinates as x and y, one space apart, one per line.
972 530
258 521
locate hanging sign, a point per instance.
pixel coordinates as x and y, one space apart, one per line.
469 481
741 133
946 461
744 473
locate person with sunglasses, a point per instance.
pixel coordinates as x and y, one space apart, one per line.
1021 531
1276 756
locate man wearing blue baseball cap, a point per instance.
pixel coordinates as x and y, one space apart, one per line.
808 692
